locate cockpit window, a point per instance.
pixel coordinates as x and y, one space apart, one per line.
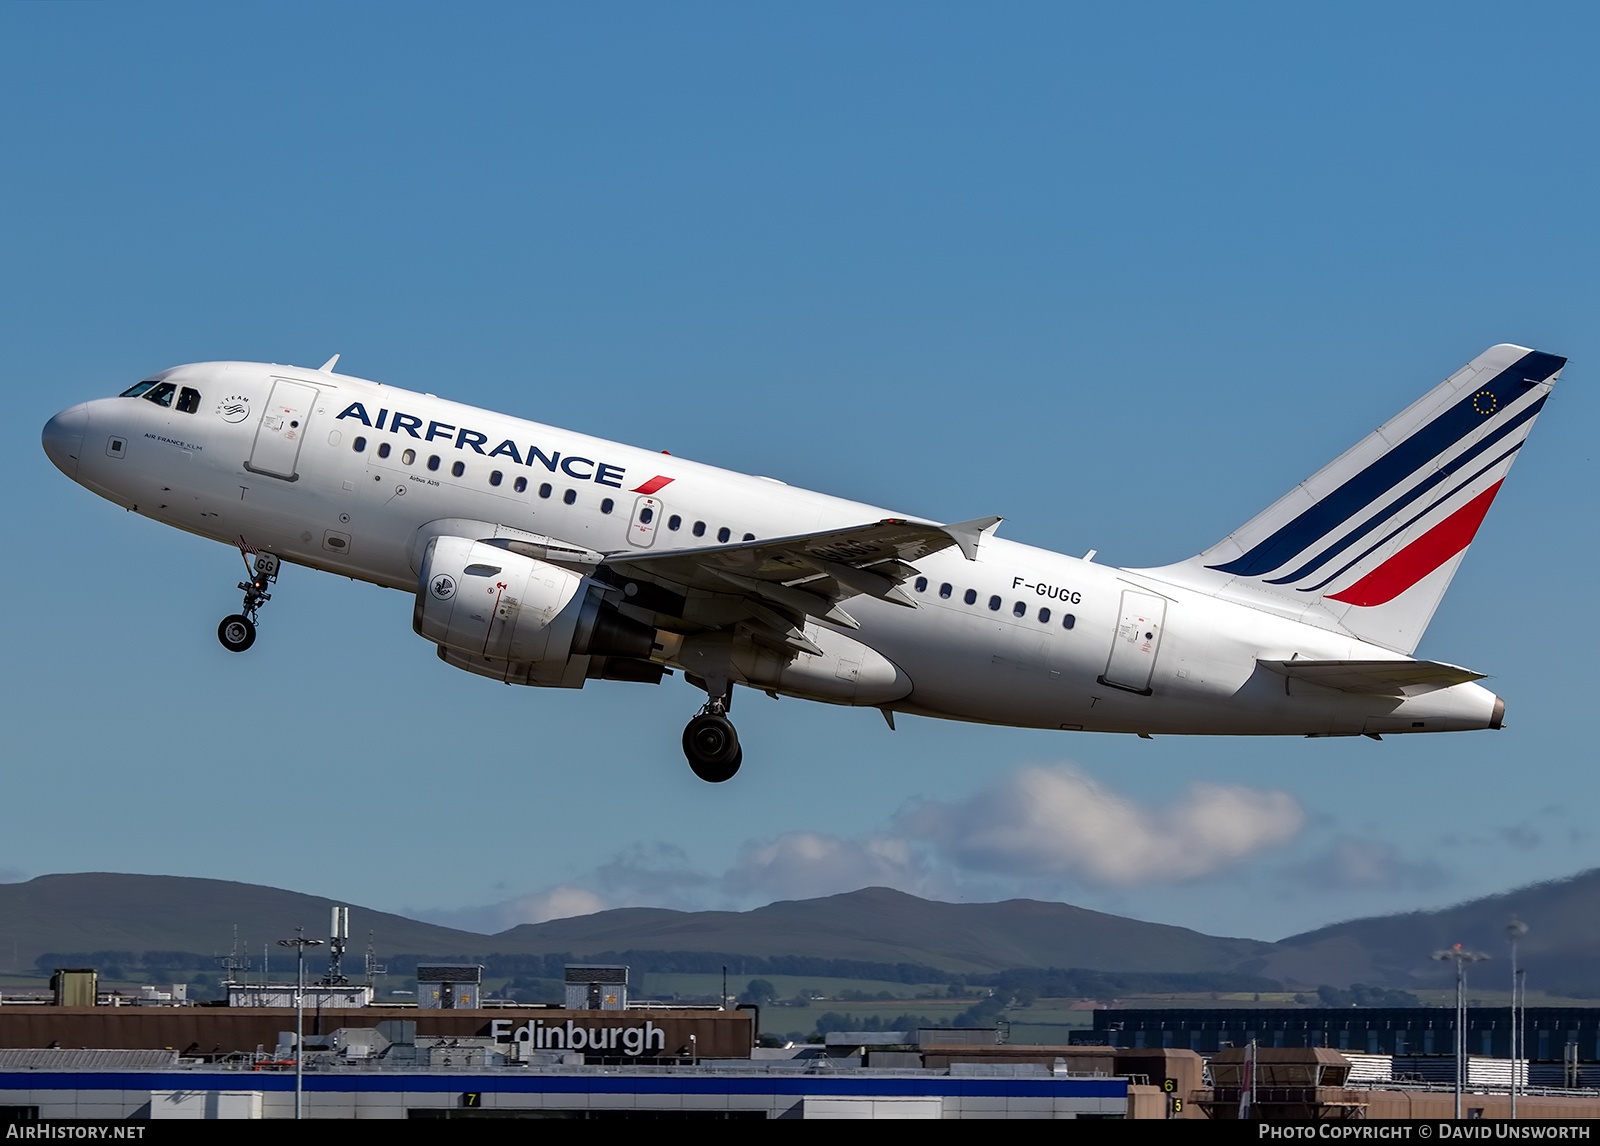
162 394
137 388
188 400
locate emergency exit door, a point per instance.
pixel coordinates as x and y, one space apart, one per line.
646 516
1137 640
282 430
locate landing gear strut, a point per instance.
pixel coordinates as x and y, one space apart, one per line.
238 631
712 744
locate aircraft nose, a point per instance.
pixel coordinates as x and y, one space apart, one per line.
63 438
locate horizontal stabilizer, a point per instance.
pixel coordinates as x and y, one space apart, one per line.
1378 678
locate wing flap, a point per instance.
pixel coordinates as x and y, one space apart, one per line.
806 575
836 563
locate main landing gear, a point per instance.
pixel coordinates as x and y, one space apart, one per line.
238 631
712 744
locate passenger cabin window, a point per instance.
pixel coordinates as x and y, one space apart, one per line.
699 529
433 461
383 449
971 597
408 457
162 394
922 585
723 534
520 485
994 604
458 469
1019 609
1068 621
646 515
1044 616
607 505
359 445
496 477
749 537
674 522
944 591
544 490
137 388
188 400
570 497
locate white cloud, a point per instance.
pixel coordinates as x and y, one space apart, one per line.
1351 863
1039 829
1057 822
801 865
1522 836
658 874
561 902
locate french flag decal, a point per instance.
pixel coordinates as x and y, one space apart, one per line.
654 484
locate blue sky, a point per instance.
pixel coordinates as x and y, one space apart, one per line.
1122 273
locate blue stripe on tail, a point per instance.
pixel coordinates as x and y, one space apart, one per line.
1393 467
1388 512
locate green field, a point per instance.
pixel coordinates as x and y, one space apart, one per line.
684 986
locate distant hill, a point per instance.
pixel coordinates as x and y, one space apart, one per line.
884 926
98 911
1561 949
103 912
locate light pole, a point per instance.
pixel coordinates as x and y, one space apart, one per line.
1461 958
300 943
1515 930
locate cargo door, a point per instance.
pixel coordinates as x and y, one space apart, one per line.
282 430
1137 640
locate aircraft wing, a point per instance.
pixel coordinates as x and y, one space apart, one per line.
1379 678
807 574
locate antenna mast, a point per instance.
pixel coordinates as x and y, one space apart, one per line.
233 964
374 968
338 940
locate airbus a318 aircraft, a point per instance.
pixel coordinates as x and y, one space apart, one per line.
537 556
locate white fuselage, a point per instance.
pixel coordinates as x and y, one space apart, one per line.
357 514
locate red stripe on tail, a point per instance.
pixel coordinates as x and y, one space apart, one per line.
1422 556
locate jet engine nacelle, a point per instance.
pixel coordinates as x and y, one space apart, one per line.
516 618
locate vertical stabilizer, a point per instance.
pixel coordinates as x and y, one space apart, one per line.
1368 544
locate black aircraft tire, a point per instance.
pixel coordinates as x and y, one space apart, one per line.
711 745
237 633
717 774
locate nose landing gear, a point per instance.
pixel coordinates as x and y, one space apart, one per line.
237 632
711 743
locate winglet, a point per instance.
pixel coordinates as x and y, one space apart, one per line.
967 534
327 367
